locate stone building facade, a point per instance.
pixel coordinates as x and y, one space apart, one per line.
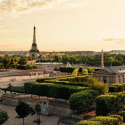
111 75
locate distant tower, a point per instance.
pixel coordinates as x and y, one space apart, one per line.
102 59
34 48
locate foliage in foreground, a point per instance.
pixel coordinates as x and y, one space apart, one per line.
103 120
110 104
3 117
23 110
83 100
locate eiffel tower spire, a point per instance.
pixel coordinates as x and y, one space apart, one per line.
34 48
34 35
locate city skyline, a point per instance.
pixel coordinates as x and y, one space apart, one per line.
62 25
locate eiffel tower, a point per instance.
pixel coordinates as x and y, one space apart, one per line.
34 48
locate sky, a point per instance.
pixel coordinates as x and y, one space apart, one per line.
62 25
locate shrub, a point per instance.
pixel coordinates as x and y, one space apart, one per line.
41 80
36 67
66 83
56 69
122 113
105 104
108 120
81 81
90 70
83 100
110 104
67 69
52 90
85 122
75 72
119 87
84 71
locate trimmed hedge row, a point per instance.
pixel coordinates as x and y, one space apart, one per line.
85 122
83 100
110 104
41 80
75 72
52 90
84 71
85 80
122 114
103 120
119 87
105 105
67 83
108 120
67 69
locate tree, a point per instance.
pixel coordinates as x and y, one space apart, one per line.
23 110
3 117
38 110
23 60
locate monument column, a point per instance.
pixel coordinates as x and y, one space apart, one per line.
102 60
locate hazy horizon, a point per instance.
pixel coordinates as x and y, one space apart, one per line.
62 25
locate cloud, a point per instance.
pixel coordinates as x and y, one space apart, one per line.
118 40
75 4
7 46
1 25
20 6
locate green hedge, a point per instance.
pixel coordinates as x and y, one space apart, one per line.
52 90
83 100
41 80
75 72
105 104
67 83
108 120
67 69
85 122
90 81
110 104
119 87
122 113
91 70
83 81
84 71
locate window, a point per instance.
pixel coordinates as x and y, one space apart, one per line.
104 79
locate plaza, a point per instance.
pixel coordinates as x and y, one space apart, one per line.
46 120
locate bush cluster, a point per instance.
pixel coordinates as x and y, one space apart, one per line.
67 83
80 81
119 87
103 120
108 120
83 100
110 104
84 71
85 122
41 80
122 113
75 72
67 69
51 90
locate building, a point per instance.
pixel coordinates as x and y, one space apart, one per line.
117 52
110 75
34 48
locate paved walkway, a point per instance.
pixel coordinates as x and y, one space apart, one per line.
20 80
46 120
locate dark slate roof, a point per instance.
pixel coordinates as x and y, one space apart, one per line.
115 69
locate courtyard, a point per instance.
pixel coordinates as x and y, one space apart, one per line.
46 120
